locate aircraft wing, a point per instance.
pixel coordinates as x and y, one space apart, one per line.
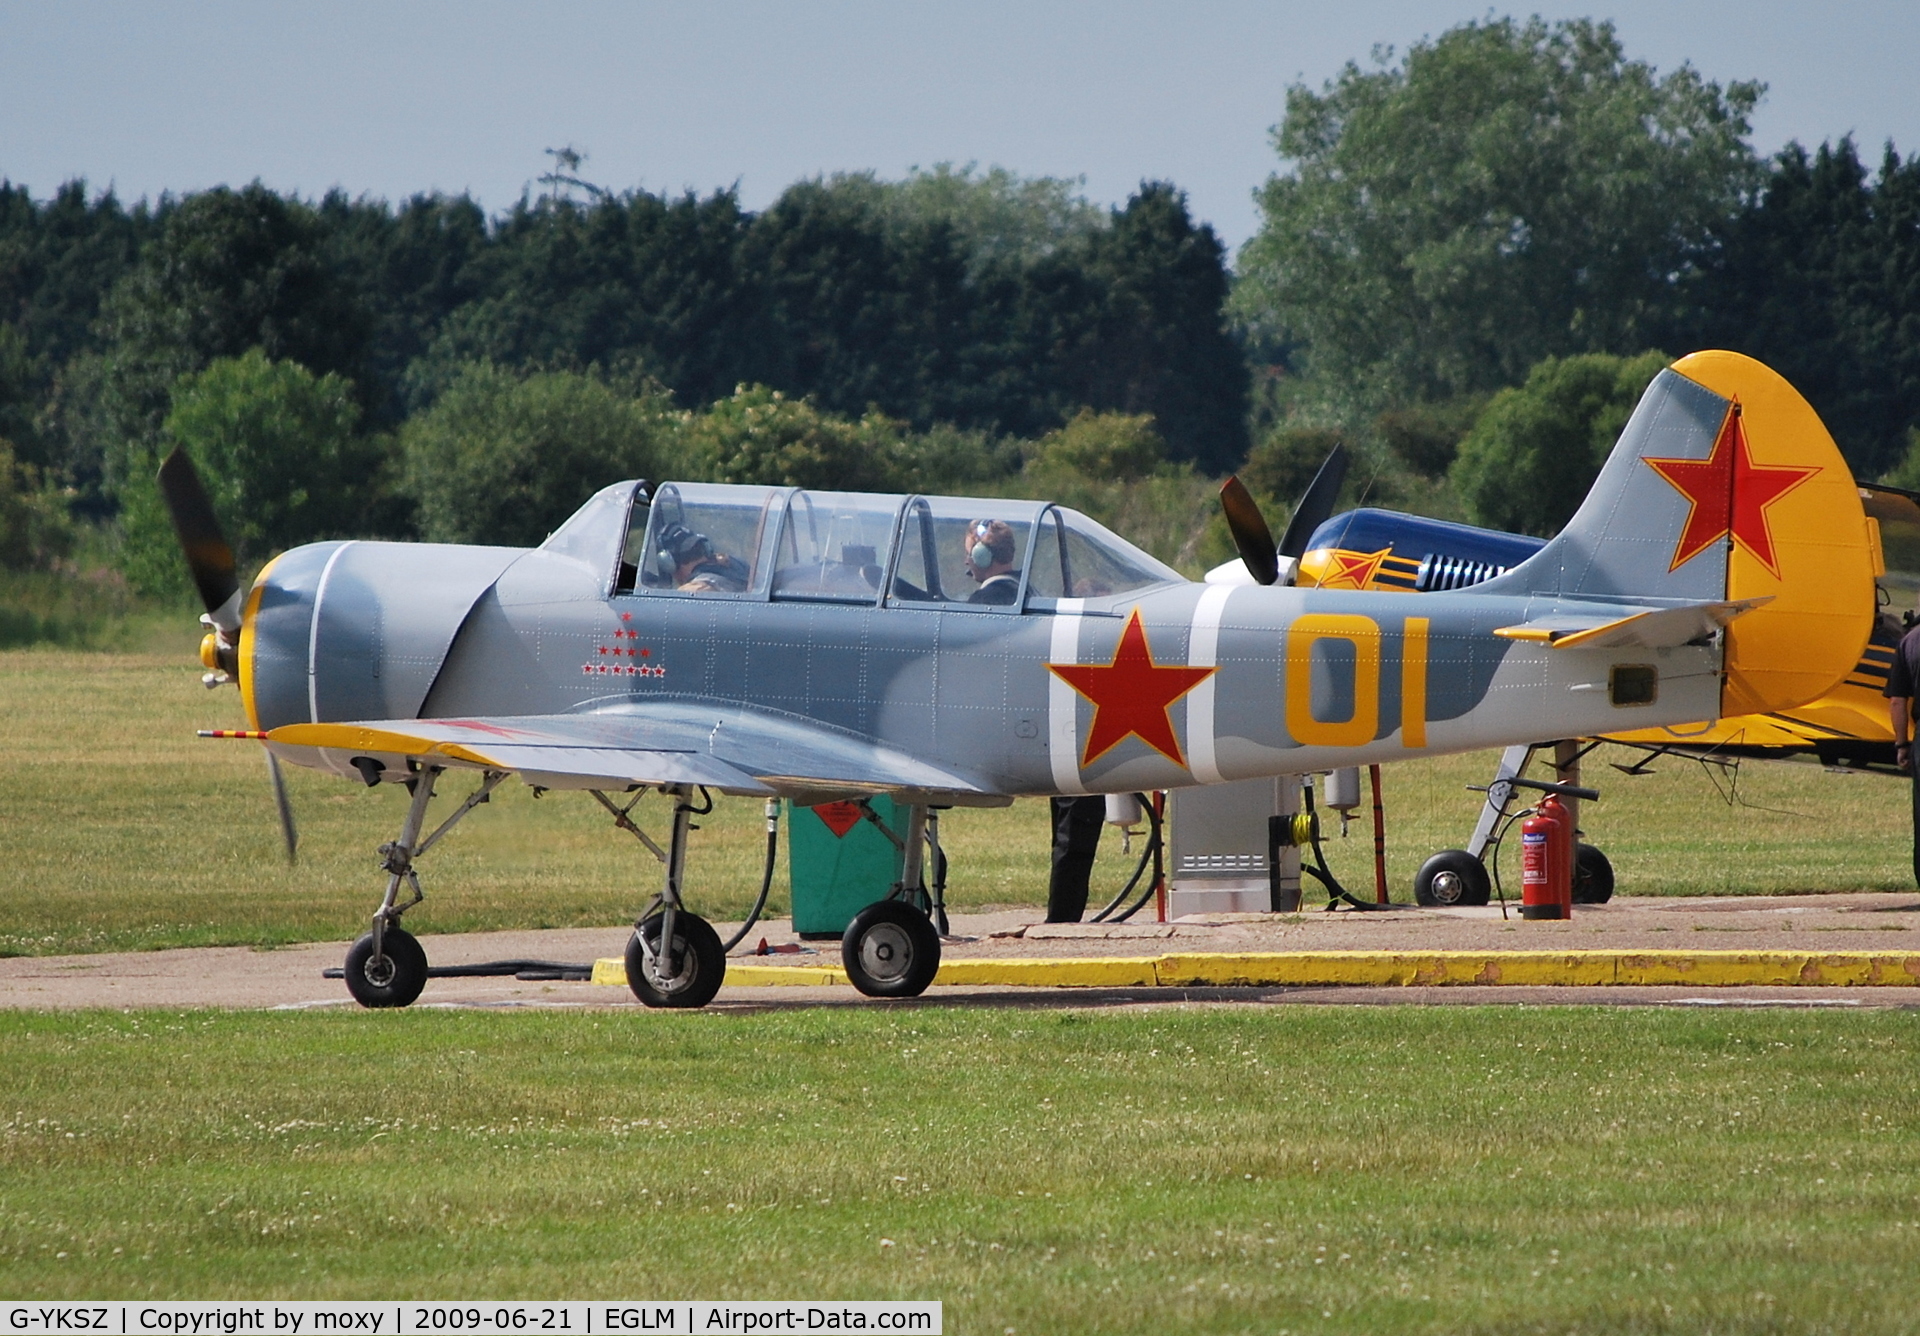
1656 628
735 751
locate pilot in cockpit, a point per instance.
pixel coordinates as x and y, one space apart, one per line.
696 567
990 554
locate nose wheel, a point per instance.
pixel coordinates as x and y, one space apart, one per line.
890 950
388 966
389 974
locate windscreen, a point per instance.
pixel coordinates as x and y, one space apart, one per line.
1078 558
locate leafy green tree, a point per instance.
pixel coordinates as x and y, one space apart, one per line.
281 456
1159 341
1906 473
1533 455
1820 278
1280 468
1507 191
1426 436
1117 447
17 397
34 529
58 260
502 458
230 271
760 435
849 312
646 280
414 267
1000 217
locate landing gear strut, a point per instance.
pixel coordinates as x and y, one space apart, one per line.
892 949
674 959
388 966
1460 876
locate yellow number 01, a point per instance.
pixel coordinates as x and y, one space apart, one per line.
1363 633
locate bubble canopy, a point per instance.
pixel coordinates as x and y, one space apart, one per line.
988 555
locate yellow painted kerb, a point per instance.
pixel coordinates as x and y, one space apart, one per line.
1322 969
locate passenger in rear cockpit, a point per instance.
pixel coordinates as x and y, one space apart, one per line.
696 567
990 553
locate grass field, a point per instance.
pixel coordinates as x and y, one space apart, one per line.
120 830
1168 1169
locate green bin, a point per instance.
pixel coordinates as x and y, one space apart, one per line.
839 863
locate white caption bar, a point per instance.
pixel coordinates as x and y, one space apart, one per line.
235 1317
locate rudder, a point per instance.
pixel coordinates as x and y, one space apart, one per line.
1725 486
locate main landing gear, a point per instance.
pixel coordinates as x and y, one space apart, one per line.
892 947
674 958
1460 877
388 967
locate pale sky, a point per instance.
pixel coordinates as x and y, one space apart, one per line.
390 98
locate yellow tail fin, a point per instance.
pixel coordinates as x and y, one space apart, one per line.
1777 495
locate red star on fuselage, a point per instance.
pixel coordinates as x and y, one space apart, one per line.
1727 493
1131 695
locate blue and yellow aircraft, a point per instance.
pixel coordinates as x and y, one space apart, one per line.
812 645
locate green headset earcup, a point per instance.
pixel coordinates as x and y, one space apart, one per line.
981 556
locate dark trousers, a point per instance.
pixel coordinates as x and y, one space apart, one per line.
1076 838
1916 826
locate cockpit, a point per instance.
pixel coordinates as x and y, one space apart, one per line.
725 541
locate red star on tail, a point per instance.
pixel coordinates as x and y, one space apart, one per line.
1131 695
1728 494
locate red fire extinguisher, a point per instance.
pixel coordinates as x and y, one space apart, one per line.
1546 861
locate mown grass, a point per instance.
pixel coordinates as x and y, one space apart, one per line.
121 830
1238 1169
88 609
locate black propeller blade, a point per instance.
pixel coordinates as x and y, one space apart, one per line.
1251 536
1316 507
285 805
209 558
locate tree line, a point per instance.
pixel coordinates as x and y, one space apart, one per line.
1470 244
1470 256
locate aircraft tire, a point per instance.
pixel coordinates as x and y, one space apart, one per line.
890 950
398 981
703 963
1592 876
1452 877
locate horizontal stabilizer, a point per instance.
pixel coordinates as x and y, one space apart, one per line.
1660 628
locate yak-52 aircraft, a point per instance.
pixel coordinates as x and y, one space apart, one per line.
772 641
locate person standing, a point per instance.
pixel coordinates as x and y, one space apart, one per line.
1076 839
1899 691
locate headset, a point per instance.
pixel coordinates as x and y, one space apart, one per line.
680 544
980 554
